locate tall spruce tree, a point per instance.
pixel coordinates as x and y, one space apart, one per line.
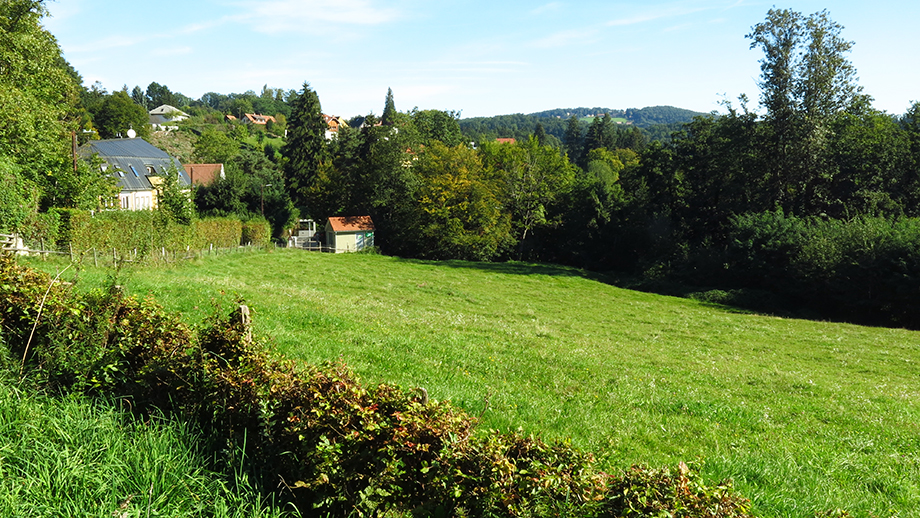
305 149
573 139
389 109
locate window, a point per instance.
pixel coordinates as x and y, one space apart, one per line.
151 170
133 170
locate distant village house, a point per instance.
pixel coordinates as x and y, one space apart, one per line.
163 118
258 119
204 174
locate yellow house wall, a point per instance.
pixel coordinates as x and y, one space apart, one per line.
343 242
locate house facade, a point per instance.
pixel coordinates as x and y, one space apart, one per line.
139 167
163 118
349 233
204 174
257 119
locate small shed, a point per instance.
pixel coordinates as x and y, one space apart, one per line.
349 233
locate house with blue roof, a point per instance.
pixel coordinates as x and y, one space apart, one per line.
139 166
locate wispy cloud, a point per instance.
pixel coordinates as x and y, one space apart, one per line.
107 43
550 7
173 51
309 15
656 14
566 38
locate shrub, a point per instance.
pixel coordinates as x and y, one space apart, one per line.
677 492
256 232
337 446
220 232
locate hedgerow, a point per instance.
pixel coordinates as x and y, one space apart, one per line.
315 434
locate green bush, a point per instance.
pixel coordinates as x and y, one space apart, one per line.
257 232
865 270
220 232
337 446
676 492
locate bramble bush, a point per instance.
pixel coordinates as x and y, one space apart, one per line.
329 443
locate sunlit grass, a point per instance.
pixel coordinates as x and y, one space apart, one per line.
803 415
72 457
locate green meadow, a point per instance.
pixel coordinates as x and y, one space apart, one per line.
804 416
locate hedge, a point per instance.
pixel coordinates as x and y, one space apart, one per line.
143 232
316 435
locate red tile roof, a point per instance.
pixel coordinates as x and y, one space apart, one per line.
257 118
351 223
505 140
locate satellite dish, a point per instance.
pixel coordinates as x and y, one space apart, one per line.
132 133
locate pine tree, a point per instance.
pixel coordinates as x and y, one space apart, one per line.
305 149
572 139
540 134
389 109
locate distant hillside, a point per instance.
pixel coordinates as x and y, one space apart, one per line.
650 120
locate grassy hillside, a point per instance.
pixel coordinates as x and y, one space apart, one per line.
803 415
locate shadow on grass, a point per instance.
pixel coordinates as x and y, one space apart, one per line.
515 268
741 301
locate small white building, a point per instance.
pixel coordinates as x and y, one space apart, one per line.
349 233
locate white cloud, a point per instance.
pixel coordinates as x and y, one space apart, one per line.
310 15
550 7
109 43
653 15
565 38
173 51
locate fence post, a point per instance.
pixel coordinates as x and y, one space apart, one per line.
95 258
114 258
41 252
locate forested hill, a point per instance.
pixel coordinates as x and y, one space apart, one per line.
655 121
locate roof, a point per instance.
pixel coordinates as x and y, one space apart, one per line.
257 118
132 160
505 140
204 174
351 223
170 112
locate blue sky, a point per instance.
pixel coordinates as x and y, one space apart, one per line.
482 58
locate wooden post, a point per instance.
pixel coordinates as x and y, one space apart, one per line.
41 252
70 245
114 258
95 258
246 321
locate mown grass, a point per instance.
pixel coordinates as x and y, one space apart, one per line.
73 457
803 415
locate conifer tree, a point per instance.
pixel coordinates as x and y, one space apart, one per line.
305 149
389 109
572 139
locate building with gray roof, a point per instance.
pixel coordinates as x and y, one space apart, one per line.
139 167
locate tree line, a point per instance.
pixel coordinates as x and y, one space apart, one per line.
795 198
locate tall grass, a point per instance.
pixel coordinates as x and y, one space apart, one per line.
72 457
805 416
